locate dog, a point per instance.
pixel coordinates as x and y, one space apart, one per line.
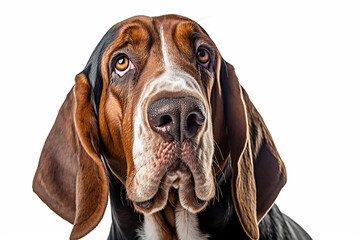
158 121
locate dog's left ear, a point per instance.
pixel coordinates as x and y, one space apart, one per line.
258 173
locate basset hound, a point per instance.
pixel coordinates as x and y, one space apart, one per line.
158 121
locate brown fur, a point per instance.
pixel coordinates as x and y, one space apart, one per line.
69 161
71 178
257 176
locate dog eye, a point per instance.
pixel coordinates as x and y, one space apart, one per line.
203 57
123 65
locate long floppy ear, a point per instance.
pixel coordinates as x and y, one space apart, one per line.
258 172
71 177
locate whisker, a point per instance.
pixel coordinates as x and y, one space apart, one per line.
218 165
219 193
217 145
222 156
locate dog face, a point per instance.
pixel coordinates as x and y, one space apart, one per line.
155 113
163 110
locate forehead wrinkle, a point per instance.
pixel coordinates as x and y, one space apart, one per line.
134 35
190 32
187 36
184 35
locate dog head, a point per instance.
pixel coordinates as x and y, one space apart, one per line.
162 108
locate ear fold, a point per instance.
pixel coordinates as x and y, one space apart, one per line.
71 177
258 174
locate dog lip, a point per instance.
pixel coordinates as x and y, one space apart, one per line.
180 176
176 183
145 205
172 181
199 202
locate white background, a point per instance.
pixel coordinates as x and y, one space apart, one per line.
299 62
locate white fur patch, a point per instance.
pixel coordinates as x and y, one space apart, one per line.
173 79
146 144
164 50
187 226
148 230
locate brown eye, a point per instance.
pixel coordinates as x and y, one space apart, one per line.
203 56
122 63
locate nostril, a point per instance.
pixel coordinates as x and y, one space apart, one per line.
163 125
164 120
193 122
191 119
194 119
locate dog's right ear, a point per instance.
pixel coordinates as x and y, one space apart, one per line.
71 178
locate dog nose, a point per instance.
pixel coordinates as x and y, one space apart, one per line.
176 118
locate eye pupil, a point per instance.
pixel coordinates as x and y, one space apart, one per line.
201 53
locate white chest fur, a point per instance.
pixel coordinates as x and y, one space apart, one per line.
187 227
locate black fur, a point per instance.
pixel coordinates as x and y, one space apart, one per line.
93 67
219 219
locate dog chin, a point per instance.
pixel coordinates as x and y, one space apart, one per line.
178 189
180 170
